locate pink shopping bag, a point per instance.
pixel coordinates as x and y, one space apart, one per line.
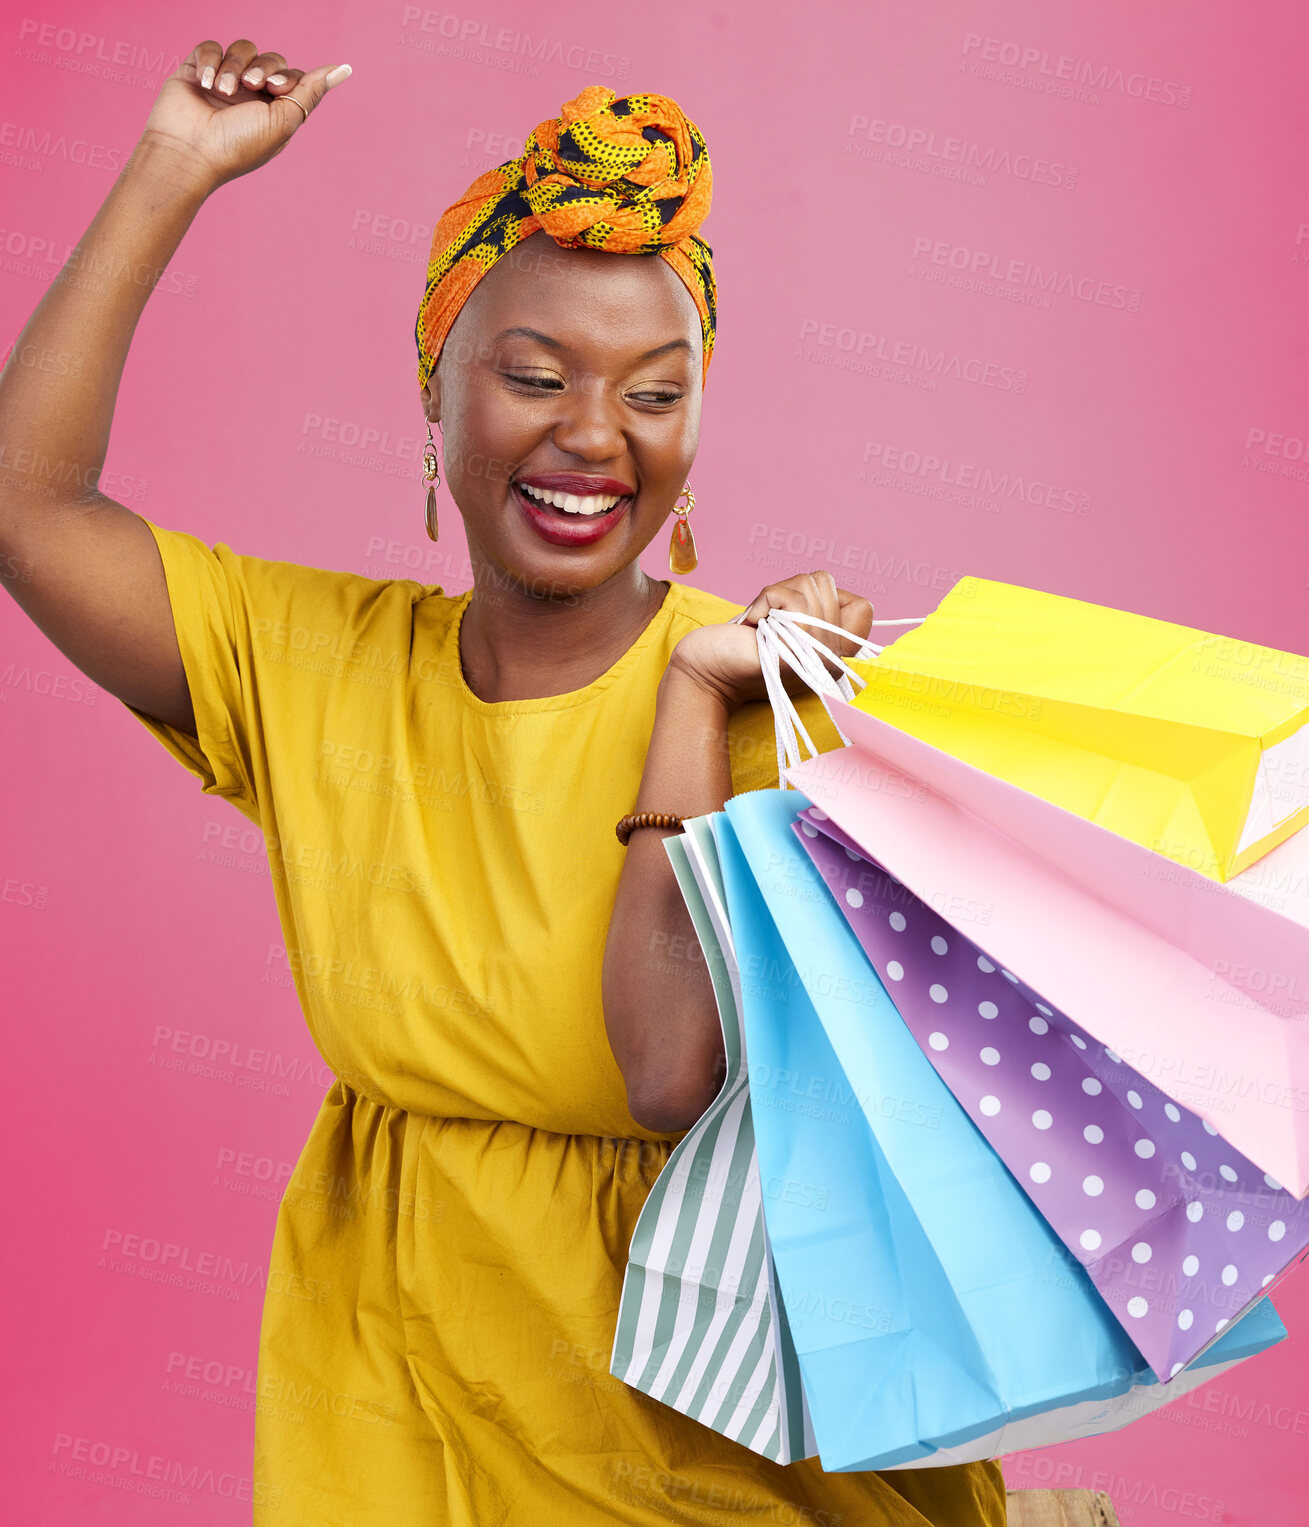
1202 988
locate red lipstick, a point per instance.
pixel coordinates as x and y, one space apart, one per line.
557 526
576 482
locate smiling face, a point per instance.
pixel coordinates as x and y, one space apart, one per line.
577 373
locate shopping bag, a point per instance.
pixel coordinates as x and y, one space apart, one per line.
1202 988
1177 1231
1192 744
936 1316
699 1324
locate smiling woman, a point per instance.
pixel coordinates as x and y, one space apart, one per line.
438 779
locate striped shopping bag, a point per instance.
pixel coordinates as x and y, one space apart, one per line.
700 1325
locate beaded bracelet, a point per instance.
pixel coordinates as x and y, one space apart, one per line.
635 819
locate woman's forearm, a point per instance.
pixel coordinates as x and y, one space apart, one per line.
59 387
660 1012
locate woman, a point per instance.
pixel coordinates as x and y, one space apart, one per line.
486 967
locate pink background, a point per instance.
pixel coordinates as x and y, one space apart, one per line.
1144 450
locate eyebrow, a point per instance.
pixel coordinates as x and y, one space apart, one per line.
555 344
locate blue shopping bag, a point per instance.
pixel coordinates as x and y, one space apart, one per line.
933 1310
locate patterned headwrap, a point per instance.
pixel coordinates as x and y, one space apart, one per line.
629 176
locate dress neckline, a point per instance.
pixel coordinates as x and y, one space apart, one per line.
538 703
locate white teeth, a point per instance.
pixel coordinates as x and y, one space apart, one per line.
570 503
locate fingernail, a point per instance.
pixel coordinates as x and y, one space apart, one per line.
207 76
335 76
253 76
277 79
227 84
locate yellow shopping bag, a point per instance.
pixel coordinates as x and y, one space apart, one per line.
1191 744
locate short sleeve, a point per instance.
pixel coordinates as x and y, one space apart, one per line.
239 620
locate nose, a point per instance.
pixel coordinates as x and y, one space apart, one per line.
589 422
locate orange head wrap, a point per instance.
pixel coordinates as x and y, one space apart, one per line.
629 176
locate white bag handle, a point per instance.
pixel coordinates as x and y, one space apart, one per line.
781 636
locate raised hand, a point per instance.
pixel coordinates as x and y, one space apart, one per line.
232 111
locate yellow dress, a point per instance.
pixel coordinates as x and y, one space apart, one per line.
445 1274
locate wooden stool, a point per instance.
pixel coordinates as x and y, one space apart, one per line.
1060 1508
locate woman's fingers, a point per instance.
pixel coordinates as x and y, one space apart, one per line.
237 58
818 594
260 67
241 68
813 593
850 611
284 80
856 614
776 596
830 607
201 64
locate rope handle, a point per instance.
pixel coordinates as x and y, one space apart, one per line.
782 638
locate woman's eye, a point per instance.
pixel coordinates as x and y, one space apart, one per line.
541 383
554 384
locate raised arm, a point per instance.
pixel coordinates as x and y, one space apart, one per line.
85 568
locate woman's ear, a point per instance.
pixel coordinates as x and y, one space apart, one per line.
431 403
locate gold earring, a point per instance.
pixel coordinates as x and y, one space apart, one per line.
432 475
681 549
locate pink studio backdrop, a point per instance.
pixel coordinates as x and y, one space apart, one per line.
895 395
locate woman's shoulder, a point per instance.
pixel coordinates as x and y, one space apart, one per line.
269 584
696 606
